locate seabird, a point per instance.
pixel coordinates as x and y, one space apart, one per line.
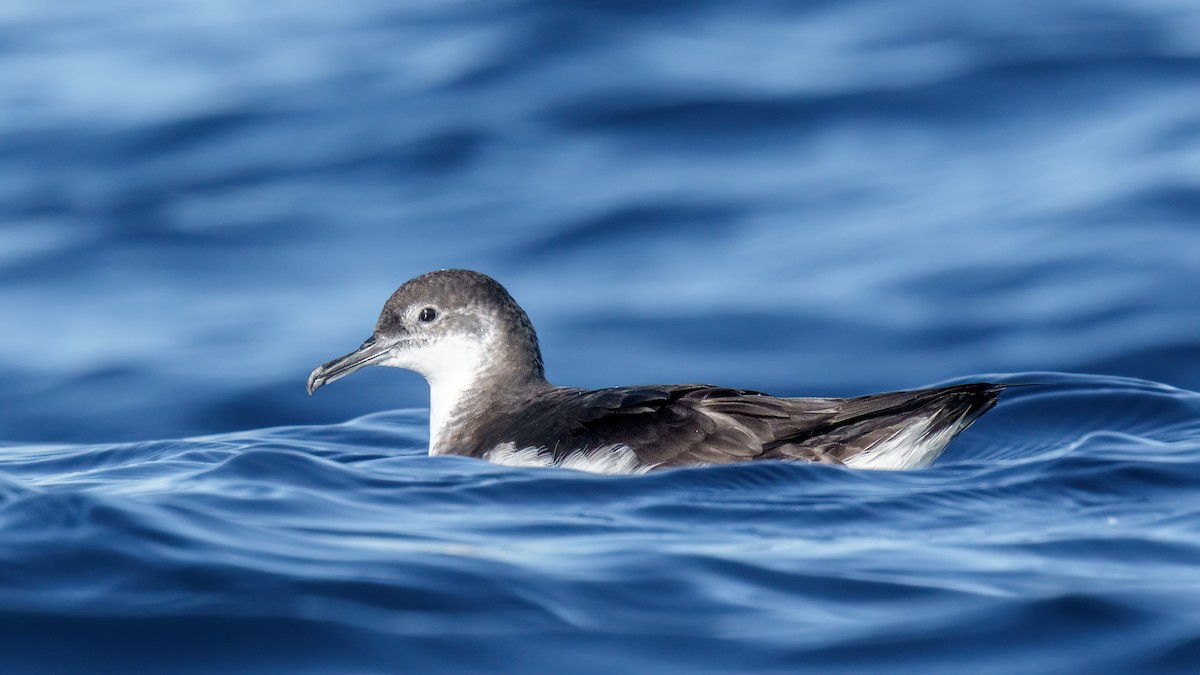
489 399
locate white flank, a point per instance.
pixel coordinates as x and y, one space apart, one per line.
617 459
909 448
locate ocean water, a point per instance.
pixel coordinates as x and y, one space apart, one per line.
201 201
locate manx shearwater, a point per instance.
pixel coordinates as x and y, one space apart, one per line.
489 398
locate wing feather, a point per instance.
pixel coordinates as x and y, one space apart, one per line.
678 425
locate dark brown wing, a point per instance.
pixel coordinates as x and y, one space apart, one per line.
669 425
681 425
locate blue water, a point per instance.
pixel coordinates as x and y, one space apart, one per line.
202 200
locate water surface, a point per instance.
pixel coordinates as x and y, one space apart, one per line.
200 201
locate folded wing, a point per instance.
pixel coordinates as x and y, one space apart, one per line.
681 425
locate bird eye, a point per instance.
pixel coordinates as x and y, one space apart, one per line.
428 314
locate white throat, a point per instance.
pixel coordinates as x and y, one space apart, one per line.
447 390
452 366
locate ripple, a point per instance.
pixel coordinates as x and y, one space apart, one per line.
1065 497
203 203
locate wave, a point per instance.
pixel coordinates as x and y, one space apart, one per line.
1070 505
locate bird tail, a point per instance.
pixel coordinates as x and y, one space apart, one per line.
911 428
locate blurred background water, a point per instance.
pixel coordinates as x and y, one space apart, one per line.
200 201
